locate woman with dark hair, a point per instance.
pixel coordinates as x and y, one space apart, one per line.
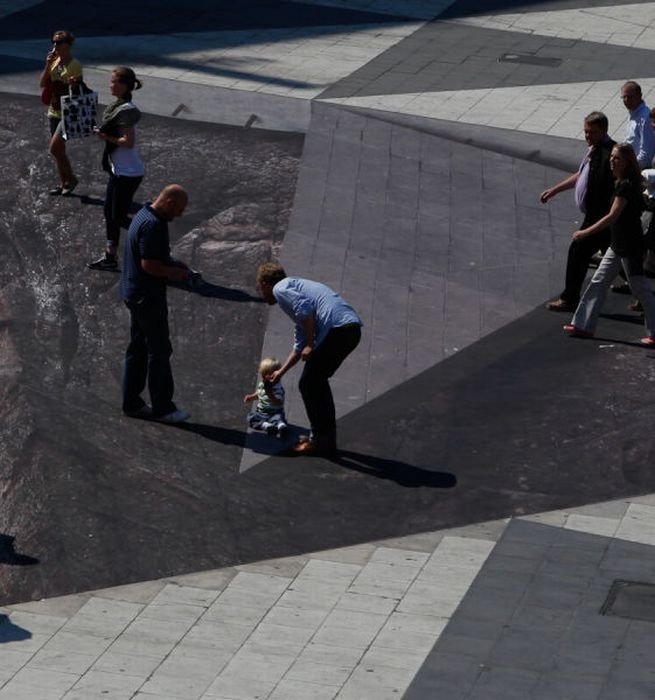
626 248
60 70
121 159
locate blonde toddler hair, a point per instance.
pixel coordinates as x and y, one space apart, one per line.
269 365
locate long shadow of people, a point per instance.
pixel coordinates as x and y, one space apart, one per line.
254 440
89 200
197 285
9 632
8 555
226 436
402 473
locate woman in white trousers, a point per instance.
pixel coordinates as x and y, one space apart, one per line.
626 249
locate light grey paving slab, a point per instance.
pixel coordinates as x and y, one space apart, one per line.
296 617
239 688
329 654
350 637
16 691
288 567
78 643
44 680
102 684
62 606
291 689
321 673
185 595
235 614
63 660
357 554
223 637
188 679
115 662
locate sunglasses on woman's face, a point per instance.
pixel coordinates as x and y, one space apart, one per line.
59 42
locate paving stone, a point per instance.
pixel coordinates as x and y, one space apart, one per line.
114 662
313 672
292 689
506 681
238 688
17 691
63 660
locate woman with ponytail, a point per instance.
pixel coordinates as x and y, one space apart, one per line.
121 159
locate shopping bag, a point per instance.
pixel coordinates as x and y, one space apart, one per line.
78 112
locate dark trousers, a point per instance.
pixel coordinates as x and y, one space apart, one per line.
580 254
118 200
314 384
148 357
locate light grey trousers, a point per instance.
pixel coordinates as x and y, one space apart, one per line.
586 315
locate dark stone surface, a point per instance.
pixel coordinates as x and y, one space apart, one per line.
523 420
169 17
547 639
98 498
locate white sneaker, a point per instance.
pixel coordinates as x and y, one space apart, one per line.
177 416
268 427
282 428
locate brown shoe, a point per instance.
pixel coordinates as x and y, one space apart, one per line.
309 448
561 305
636 306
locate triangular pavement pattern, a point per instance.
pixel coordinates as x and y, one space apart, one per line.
537 69
452 55
434 241
526 420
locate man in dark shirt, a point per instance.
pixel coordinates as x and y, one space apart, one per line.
147 265
594 189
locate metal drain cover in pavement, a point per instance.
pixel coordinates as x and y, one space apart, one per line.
631 599
530 59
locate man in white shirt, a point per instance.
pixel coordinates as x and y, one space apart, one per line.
638 131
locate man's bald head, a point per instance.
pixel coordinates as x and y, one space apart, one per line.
171 201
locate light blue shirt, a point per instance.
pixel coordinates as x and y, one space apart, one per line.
639 134
301 299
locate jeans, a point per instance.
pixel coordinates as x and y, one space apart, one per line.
314 386
148 357
579 257
257 419
118 199
586 315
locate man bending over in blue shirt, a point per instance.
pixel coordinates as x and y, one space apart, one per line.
327 330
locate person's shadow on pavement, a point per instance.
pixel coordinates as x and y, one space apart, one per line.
8 555
200 286
226 436
9 632
402 473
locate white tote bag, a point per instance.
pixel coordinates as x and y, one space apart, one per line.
78 112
